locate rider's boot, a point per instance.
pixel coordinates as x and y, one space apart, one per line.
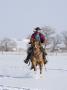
29 52
27 59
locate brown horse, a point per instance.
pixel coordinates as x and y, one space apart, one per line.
37 57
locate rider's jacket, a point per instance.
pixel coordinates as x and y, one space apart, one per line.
38 36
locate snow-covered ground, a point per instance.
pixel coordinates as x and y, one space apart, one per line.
16 75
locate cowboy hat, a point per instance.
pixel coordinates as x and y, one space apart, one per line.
37 28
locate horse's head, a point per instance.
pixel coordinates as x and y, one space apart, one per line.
36 45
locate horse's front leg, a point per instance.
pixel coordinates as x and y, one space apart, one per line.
40 69
34 64
41 66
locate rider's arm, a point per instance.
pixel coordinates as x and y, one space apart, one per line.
43 39
31 39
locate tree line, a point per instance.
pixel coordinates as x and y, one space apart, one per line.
7 44
54 41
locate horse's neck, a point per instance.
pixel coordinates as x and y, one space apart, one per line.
37 51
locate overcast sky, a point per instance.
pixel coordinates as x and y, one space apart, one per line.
19 17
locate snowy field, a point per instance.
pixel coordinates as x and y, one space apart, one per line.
16 75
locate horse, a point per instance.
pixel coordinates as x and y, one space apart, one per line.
37 57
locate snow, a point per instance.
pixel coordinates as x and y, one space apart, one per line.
16 75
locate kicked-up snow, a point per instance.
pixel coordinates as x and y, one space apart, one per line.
16 75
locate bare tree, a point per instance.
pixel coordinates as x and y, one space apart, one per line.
56 41
29 36
8 44
65 38
49 34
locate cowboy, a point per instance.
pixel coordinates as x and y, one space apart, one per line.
38 36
